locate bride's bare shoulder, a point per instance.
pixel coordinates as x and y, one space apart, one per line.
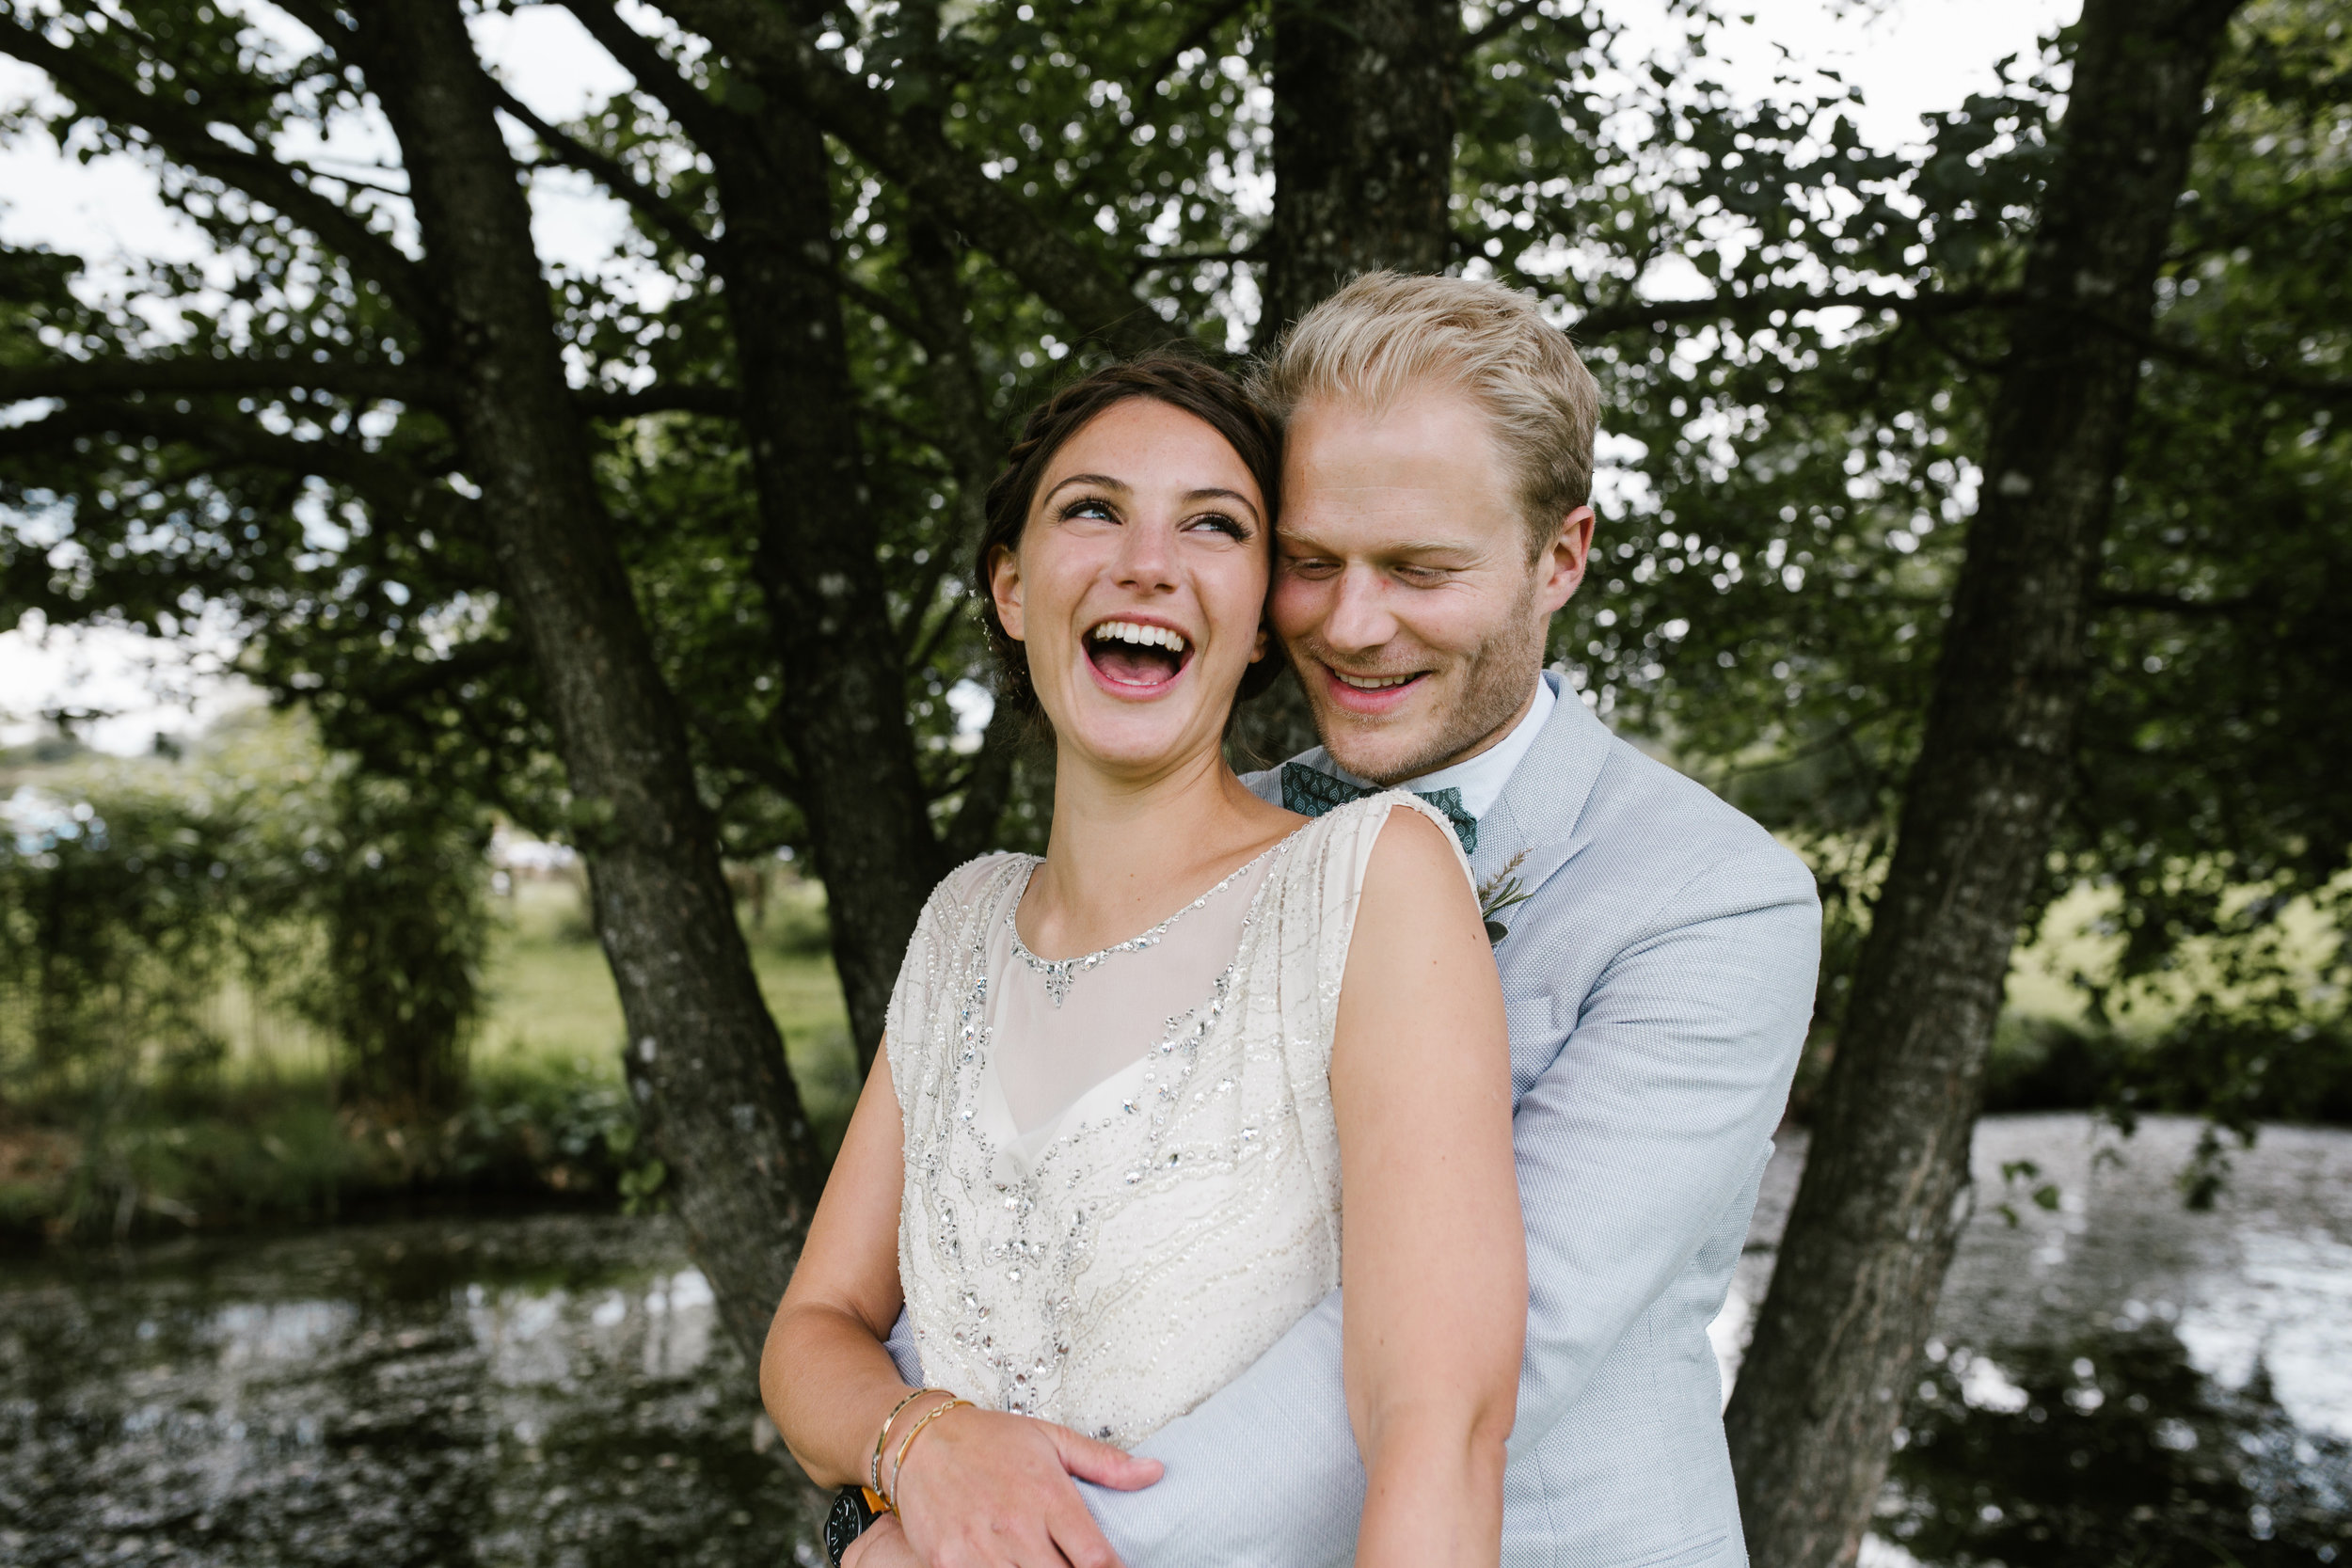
1415 861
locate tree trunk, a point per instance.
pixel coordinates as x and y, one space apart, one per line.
1885 1188
845 679
704 1058
1363 145
817 564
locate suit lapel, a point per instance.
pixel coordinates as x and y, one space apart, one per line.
1535 822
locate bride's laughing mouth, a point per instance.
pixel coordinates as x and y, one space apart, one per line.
1133 656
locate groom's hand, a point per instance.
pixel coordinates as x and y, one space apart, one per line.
883 1546
986 1490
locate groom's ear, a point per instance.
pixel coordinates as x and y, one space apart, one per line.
1562 565
1004 586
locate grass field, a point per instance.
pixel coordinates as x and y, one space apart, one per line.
262 1136
552 1000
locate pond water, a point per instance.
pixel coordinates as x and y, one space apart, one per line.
2115 1381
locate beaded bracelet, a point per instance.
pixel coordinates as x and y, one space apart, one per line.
899 1469
873 1468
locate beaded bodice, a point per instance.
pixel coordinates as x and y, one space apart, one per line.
1111 1271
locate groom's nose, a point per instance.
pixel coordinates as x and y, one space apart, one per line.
1358 617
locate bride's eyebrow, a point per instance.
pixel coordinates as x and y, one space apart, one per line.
1218 493
1101 482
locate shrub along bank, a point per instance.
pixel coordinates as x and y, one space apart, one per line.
245 983
278 1148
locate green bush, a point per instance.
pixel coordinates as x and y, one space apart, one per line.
135 895
2239 1068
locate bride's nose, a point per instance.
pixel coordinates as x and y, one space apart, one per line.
1146 561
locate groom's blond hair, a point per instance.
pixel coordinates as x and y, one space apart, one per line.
1385 334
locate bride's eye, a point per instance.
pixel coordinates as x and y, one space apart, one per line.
1089 506
1218 522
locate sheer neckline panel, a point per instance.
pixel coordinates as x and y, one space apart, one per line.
1060 972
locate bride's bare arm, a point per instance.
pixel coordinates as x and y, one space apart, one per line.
825 1375
1433 1255
983 1488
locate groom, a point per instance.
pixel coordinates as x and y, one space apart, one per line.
1658 950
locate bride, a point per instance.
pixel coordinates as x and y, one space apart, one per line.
1148 1099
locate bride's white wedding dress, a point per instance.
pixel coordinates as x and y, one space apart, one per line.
1122 1176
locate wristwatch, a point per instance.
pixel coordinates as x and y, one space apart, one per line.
854 1513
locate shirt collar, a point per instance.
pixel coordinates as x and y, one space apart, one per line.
1481 778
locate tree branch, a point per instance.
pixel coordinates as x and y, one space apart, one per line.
924 643
1143 264
939 175
192 373
609 173
180 132
656 74
472 659
988 785
2244 371
2171 604
973 442
385 484
1196 36
889 309
1505 17
662 398
316 172
1632 314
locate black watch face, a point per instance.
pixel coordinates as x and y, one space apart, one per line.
844 1524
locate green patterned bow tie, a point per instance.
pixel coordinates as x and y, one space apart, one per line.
1311 792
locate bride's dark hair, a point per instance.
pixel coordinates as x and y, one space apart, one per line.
1210 395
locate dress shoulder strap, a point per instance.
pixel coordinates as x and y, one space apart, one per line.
1340 841
1310 917
940 955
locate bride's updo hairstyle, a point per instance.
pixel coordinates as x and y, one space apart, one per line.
1209 394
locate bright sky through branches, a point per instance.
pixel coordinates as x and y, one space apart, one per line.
1908 57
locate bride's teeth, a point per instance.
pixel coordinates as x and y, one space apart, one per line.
1129 631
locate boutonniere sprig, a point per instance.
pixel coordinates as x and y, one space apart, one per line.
1499 893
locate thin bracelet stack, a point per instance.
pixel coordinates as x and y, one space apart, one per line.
882 1439
873 1468
898 1467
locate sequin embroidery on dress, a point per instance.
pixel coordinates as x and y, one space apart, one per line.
1184 1212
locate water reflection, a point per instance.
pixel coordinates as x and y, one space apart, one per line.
538 1391
2115 1381
2112 1450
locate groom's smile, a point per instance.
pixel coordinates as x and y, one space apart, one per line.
1370 693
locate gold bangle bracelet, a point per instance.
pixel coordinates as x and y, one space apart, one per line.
881 1438
901 1467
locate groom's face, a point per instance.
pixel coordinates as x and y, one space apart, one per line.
1409 591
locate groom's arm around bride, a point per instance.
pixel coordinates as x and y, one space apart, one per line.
1649 1079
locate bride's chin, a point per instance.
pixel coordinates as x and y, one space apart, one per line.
1137 739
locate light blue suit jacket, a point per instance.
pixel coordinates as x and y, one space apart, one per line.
1658 985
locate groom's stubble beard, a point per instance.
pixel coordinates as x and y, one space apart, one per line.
1474 693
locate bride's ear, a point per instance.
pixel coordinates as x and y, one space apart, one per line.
1256 649
1004 586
